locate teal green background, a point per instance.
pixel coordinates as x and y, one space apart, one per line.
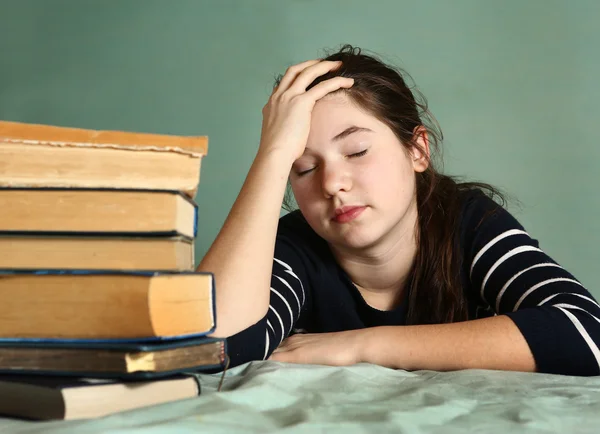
514 85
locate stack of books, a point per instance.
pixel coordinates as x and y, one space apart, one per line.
98 293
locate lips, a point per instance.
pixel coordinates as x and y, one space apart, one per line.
346 214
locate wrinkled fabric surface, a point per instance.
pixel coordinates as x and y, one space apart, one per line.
266 396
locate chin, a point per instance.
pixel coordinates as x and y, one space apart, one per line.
357 241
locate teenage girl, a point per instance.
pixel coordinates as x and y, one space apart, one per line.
386 261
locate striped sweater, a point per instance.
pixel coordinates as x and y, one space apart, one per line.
504 273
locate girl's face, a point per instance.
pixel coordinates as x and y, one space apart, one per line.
355 182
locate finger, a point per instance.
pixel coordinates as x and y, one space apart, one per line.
274 356
328 86
282 347
292 72
309 74
281 357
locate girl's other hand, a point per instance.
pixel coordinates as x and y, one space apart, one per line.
287 114
335 349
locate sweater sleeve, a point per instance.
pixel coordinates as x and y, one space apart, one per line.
289 294
558 317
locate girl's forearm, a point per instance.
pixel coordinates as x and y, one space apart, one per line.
241 257
490 343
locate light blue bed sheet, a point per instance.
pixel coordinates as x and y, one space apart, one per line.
265 397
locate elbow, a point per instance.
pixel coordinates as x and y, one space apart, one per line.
253 343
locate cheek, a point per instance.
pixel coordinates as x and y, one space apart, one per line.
387 179
312 208
303 194
308 206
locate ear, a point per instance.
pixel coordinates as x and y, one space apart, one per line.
420 153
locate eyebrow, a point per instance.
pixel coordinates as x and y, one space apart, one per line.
340 136
350 130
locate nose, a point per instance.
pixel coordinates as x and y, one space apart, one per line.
334 179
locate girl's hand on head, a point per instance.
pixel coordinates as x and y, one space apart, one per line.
287 114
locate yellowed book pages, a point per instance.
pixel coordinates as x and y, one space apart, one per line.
50 397
96 211
97 305
33 155
96 253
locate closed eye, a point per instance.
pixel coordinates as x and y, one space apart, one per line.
358 154
304 172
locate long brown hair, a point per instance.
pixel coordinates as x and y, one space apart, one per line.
436 293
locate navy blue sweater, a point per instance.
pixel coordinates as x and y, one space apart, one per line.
504 273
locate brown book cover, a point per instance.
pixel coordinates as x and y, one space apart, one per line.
113 359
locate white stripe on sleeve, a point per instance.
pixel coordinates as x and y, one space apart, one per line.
547 299
287 305
571 306
283 264
267 344
539 285
513 252
512 279
584 334
289 270
280 322
291 289
494 241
